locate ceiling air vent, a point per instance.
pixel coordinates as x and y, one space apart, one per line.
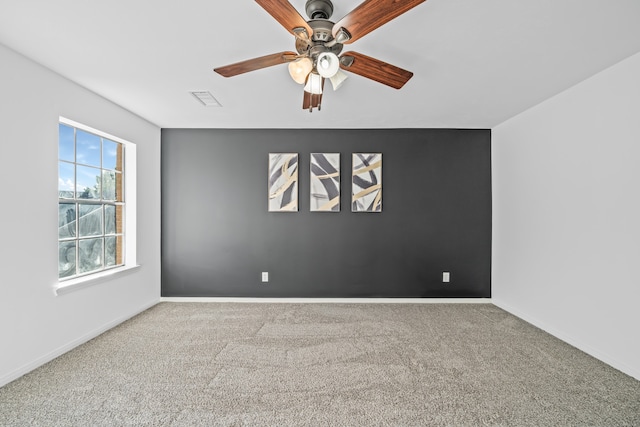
206 98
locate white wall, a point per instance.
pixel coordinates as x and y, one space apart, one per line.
35 324
566 216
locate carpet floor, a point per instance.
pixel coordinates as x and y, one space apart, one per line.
270 364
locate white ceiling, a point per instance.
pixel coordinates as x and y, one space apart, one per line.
475 63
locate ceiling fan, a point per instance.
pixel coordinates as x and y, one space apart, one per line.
319 43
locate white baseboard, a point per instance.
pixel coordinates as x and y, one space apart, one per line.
603 357
332 300
24 369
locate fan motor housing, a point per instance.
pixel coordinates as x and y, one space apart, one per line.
322 33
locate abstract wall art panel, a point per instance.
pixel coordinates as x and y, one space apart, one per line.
366 184
283 182
325 182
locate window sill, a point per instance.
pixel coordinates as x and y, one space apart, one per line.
84 282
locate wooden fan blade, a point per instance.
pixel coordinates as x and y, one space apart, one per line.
377 70
254 64
285 14
371 14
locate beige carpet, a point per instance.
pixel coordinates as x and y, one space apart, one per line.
233 364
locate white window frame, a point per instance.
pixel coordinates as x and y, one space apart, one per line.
130 214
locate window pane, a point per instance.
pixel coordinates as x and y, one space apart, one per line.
109 219
88 182
67 259
113 251
87 148
111 155
89 255
65 143
108 185
113 219
66 220
66 180
90 220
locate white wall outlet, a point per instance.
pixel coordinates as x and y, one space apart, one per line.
265 276
446 276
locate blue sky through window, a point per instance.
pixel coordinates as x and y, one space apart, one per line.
84 148
66 180
109 154
87 148
65 145
88 180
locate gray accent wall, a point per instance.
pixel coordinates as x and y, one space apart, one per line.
217 235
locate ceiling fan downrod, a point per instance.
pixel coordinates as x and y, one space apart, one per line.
319 9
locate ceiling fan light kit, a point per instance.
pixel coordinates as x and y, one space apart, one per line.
314 84
300 69
327 64
337 79
319 43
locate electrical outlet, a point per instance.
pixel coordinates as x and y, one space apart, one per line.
446 276
265 276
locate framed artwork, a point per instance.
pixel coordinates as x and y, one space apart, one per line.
283 182
324 184
366 182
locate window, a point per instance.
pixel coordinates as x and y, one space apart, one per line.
91 203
